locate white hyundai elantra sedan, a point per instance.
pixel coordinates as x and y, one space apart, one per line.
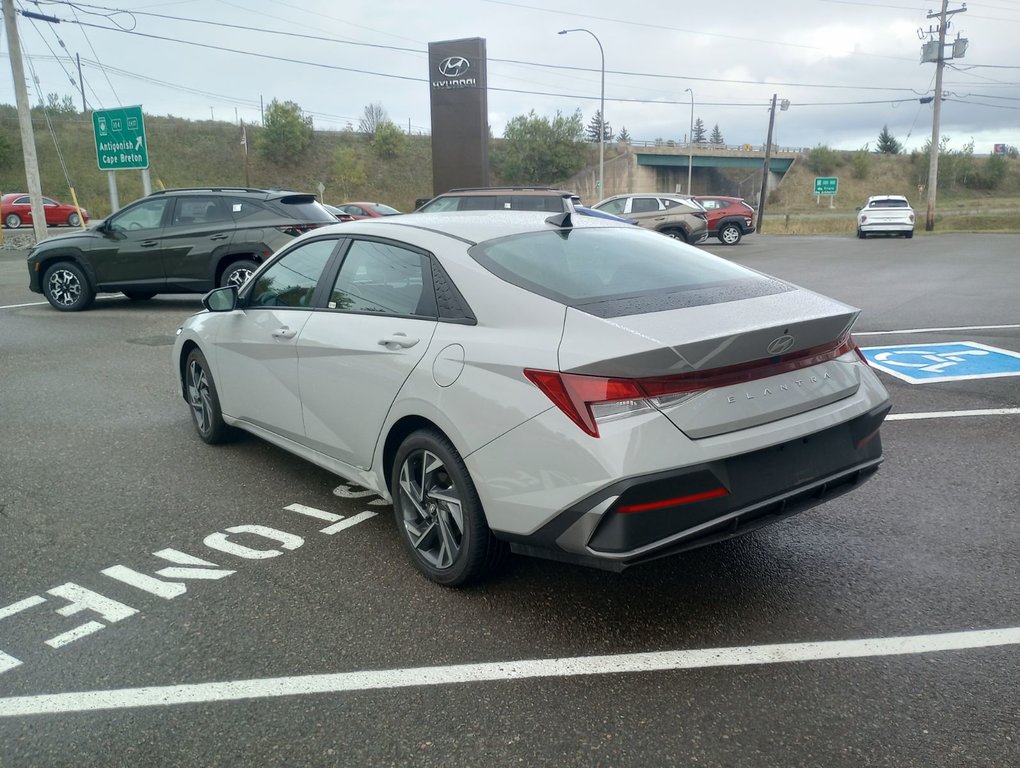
559 386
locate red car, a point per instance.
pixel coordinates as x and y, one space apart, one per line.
16 209
729 218
367 210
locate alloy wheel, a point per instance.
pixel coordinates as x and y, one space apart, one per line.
64 287
432 510
238 276
199 397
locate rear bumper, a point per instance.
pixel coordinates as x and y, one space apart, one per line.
887 226
715 500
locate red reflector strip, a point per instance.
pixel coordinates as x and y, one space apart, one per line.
674 502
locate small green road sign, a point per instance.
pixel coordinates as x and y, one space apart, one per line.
826 185
120 139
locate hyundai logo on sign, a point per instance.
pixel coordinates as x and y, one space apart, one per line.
453 68
781 345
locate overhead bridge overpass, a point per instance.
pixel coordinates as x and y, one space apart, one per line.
715 170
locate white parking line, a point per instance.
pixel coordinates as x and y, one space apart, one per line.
947 329
952 414
163 696
16 306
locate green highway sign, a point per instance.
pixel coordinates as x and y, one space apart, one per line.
826 185
120 139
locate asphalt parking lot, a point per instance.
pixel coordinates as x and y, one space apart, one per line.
164 602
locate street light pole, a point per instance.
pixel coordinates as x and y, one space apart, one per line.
600 189
690 143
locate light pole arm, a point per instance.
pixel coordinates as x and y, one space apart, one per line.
602 108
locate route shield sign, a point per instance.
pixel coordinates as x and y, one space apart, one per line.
953 361
120 139
826 185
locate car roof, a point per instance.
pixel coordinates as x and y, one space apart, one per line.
269 194
886 197
466 191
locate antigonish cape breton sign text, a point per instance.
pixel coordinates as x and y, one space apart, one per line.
120 139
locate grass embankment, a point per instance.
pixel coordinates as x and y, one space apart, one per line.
186 153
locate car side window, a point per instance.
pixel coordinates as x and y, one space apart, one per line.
291 281
200 209
710 205
145 215
644 204
385 279
614 207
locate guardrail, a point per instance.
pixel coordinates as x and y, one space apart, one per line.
702 146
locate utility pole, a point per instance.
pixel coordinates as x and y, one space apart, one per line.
25 120
765 169
940 63
81 83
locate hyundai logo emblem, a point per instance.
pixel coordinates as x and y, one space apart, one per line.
454 66
781 345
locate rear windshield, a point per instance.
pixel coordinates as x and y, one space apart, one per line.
301 208
889 204
610 272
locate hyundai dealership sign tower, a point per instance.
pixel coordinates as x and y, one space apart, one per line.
460 114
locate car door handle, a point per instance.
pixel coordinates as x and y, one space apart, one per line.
148 243
398 340
220 237
284 333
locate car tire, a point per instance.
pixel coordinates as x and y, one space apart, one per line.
730 234
908 235
860 233
676 233
139 295
12 221
204 400
66 287
237 273
438 512
74 220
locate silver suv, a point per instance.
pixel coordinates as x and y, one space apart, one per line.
679 217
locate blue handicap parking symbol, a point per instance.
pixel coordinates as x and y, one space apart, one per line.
952 361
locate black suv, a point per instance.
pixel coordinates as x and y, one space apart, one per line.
173 241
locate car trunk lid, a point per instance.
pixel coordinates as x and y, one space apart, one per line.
716 368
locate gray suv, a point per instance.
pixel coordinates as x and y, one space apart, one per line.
172 241
673 215
501 199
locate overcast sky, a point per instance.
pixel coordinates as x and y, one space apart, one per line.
847 68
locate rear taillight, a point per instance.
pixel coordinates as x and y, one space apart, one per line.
586 400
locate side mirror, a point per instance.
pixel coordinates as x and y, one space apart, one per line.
221 299
860 208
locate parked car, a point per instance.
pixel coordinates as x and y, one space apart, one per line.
338 214
367 210
16 209
547 199
889 214
173 241
729 218
679 217
553 385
